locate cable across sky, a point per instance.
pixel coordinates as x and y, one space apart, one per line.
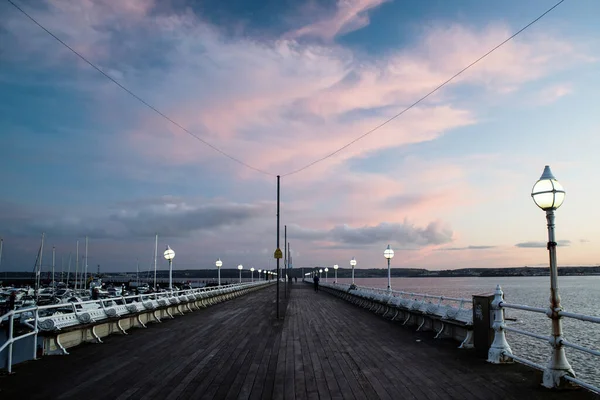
316 161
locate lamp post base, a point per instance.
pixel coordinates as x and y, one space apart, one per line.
557 368
553 379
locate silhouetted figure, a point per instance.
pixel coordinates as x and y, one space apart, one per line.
95 293
11 301
296 279
316 281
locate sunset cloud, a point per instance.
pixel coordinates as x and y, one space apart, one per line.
528 245
87 158
349 15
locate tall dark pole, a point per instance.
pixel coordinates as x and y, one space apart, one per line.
278 276
285 257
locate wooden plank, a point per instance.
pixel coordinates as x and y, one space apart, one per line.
289 369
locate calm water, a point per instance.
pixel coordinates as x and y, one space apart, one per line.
580 294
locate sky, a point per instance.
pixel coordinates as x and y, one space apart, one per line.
278 84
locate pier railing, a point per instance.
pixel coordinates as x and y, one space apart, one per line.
463 303
558 368
32 316
447 316
557 373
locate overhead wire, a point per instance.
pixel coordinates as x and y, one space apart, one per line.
135 96
310 164
422 98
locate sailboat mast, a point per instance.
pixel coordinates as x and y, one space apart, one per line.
137 260
39 271
69 270
1 244
53 261
62 268
86 264
77 266
155 254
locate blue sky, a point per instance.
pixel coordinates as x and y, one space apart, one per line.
278 84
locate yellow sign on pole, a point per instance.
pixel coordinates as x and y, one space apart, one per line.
278 253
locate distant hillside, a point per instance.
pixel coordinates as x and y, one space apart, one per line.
211 274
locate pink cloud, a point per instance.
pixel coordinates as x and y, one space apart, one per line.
281 110
349 15
280 104
553 93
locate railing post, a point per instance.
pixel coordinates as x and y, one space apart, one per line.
500 351
35 336
10 341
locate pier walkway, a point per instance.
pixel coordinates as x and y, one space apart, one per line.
325 348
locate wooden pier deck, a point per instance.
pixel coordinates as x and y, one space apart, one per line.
324 349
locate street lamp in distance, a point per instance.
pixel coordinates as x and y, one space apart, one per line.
219 264
389 254
170 255
240 267
353 264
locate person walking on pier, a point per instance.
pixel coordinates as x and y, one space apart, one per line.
316 281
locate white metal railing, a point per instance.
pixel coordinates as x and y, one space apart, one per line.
500 351
462 302
9 317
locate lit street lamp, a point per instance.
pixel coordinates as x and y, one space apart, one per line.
252 274
170 255
240 267
320 272
353 264
335 267
259 272
326 270
219 264
389 254
548 195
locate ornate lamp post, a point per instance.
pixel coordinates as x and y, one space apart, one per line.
335 268
252 274
326 270
240 267
389 254
548 195
219 264
259 272
170 255
353 264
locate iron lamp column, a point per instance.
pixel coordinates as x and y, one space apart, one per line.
170 255
326 270
240 267
252 274
353 264
219 264
549 195
389 254
335 268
